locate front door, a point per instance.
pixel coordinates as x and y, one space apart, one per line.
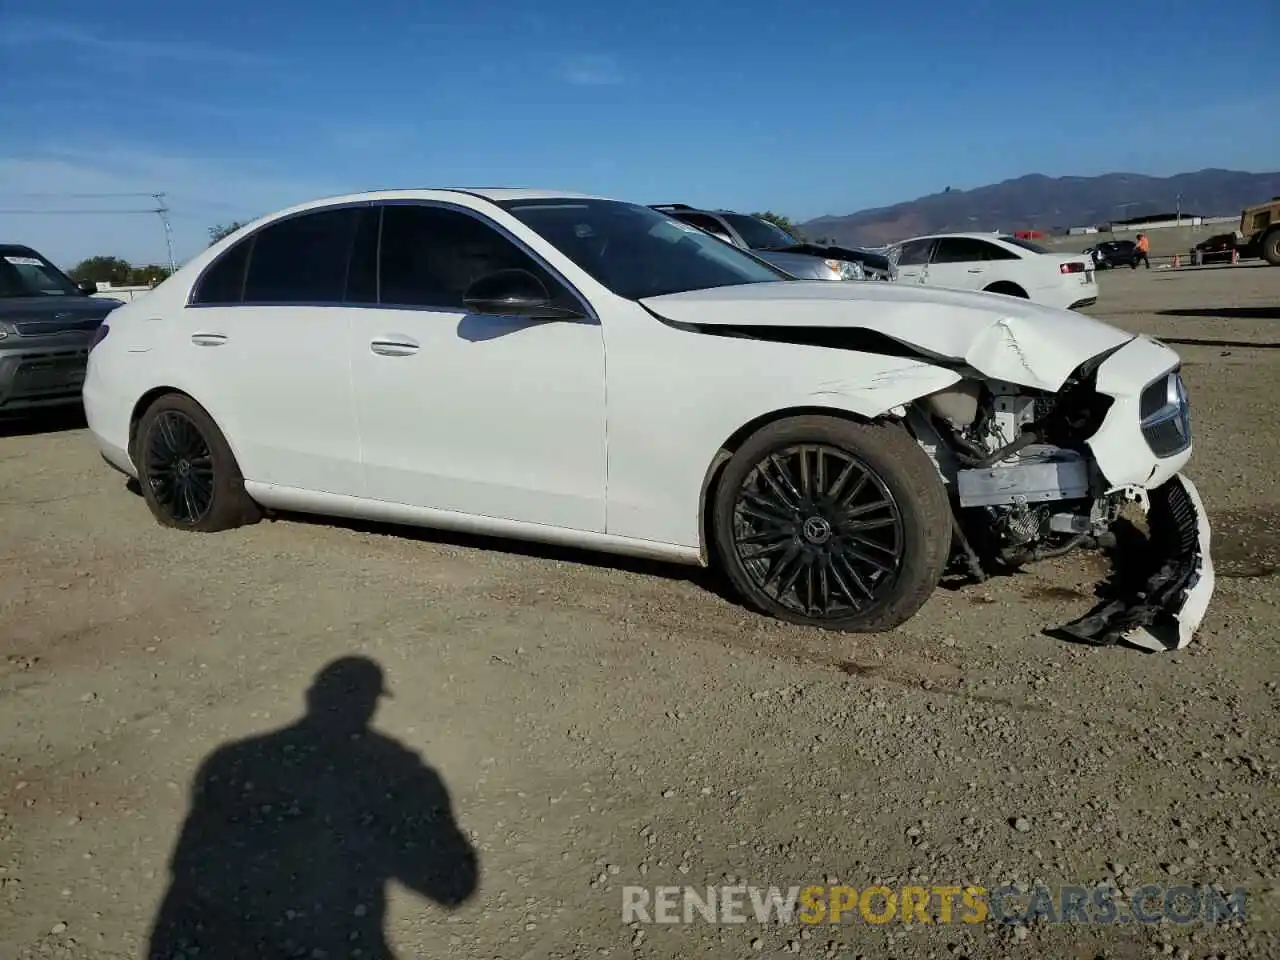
489 416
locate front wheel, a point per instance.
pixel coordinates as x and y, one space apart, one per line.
824 522
188 474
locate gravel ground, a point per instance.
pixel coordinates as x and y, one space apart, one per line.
598 724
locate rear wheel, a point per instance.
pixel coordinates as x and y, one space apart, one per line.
188 474
1270 245
824 522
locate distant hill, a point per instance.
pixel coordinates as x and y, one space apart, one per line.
1037 202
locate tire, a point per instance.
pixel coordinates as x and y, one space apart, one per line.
1270 248
188 474
795 566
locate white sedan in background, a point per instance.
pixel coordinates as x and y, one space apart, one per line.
998 263
590 372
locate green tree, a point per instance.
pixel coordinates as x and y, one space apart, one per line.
220 231
101 270
149 275
784 222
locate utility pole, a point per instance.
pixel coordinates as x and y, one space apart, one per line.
163 210
1179 214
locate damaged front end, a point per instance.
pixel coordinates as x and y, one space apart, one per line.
1033 475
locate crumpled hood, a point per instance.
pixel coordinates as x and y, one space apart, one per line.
1004 338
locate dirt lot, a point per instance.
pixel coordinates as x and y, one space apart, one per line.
600 724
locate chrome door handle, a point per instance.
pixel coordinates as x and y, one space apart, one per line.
208 339
394 346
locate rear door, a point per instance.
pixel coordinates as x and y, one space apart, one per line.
968 263
266 344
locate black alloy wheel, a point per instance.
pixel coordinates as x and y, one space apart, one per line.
188 474
179 467
817 531
831 522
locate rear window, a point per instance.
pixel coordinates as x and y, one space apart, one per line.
1026 244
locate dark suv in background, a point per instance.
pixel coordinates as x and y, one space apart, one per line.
46 323
769 242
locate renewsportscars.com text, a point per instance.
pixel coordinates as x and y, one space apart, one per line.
937 904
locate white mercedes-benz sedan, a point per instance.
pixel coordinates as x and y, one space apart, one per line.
590 372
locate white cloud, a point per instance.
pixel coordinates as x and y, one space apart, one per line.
593 70
64 215
128 50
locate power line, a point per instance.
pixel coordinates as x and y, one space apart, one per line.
41 213
75 196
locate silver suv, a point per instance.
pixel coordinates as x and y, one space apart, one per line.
46 323
769 242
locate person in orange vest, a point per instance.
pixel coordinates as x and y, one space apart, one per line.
1144 251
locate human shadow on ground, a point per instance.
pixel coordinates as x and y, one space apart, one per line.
293 836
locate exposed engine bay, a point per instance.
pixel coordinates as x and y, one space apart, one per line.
1026 487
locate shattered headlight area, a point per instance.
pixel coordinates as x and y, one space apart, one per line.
1026 486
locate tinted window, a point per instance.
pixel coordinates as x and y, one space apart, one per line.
431 255
224 281
915 253
302 259
1026 244
637 252
968 250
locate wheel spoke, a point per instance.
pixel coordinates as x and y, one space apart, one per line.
763 510
859 525
806 478
781 485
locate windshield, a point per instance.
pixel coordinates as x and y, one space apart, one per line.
759 234
637 252
23 273
1026 244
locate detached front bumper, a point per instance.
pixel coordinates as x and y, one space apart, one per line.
1167 609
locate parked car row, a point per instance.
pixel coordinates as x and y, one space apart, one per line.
585 371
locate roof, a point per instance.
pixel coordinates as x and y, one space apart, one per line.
968 235
492 194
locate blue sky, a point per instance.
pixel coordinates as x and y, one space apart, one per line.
238 108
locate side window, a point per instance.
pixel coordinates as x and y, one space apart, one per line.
915 253
302 259
224 281
968 250
431 255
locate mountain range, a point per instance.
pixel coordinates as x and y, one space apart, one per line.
1051 204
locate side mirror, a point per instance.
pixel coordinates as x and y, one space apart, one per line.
88 287
514 293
